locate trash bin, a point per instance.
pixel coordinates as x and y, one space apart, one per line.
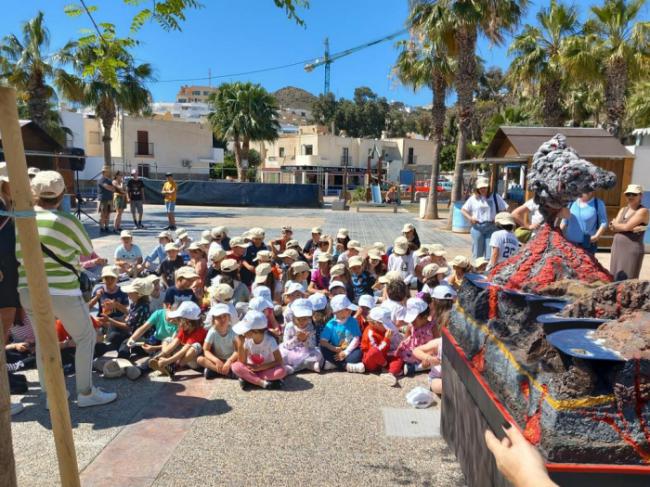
459 223
423 207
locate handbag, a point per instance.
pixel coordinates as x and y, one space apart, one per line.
85 282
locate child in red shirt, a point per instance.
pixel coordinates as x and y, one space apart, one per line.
366 303
375 340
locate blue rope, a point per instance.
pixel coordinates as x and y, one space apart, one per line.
18 214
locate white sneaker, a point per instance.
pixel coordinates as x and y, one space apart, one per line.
97 397
389 379
289 370
17 407
316 367
47 399
356 368
329 365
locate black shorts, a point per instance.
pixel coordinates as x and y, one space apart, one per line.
9 282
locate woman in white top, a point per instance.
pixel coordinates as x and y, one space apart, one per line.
480 209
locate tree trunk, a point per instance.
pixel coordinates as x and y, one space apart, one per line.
615 87
466 81
552 111
238 156
245 149
37 102
438 111
106 113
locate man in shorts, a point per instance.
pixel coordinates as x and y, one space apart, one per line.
135 194
169 194
106 190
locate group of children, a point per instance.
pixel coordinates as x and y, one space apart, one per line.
239 308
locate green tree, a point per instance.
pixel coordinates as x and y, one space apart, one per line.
25 66
539 58
615 49
639 106
323 110
243 112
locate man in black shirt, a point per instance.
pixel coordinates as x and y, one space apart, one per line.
135 194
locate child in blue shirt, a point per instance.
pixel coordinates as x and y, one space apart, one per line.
362 281
341 337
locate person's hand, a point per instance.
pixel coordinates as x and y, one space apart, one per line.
102 261
473 221
103 320
340 356
225 369
640 228
533 226
303 336
430 361
22 347
147 348
388 334
519 461
594 239
99 292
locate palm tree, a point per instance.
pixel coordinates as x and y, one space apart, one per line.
25 65
639 106
243 112
538 58
106 94
426 63
614 49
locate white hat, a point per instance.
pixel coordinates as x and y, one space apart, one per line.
261 272
194 246
400 246
408 227
342 233
171 246
219 231
460 261
335 284
482 183
341 302
142 286
262 292
218 254
221 292
414 307
217 310
287 228
317 230
380 246
481 261
354 244
206 235
324 257
187 310
204 242
263 256
337 270
229 265
293 287
504 218
355 260
290 253
260 304
300 266
186 272
152 278
165 234
48 184
109 271
293 244
183 235
437 249
422 251
431 270
318 301
374 254
302 308
239 242
33 171
633 188
390 276
256 232
367 301
443 291
382 315
252 320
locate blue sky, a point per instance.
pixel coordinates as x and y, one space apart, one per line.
233 36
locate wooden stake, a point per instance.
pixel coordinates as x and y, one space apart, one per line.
7 463
12 142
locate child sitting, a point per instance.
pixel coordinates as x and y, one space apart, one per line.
430 355
182 291
396 293
503 242
298 348
220 345
433 276
222 294
187 345
460 265
168 267
341 337
321 313
259 361
375 342
366 303
264 306
158 331
362 281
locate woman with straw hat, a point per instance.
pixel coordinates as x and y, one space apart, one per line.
629 227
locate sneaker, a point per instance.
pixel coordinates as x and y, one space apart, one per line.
209 374
316 367
16 407
389 379
329 365
243 384
153 364
356 368
97 397
133 372
289 370
15 367
273 385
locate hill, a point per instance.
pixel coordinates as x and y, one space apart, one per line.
292 97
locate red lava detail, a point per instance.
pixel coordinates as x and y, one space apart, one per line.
533 429
548 258
524 387
493 302
640 401
478 360
626 437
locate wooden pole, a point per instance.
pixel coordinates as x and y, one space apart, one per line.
7 463
12 142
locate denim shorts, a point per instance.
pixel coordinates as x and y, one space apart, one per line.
170 206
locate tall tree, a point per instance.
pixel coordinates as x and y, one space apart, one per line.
116 83
538 58
427 63
243 112
25 65
323 110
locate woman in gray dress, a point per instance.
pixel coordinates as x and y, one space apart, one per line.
629 227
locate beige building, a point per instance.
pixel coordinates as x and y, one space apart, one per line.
194 94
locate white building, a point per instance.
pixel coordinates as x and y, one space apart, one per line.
641 151
194 112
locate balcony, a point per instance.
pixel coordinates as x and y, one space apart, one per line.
144 149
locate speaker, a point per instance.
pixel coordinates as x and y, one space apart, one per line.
77 163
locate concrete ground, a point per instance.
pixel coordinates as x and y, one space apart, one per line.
328 429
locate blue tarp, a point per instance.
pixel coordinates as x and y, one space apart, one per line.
221 193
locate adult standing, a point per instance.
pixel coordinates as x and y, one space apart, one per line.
169 190
9 301
629 227
586 221
119 200
135 194
480 209
106 190
528 212
64 235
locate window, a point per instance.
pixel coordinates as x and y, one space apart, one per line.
307 150
345 157
281 152
182 100
93 137
303 114
196 93
411 158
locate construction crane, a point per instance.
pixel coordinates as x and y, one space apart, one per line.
328 59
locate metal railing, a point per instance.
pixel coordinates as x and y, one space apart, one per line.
144 149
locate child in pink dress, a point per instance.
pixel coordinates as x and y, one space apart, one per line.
298 349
